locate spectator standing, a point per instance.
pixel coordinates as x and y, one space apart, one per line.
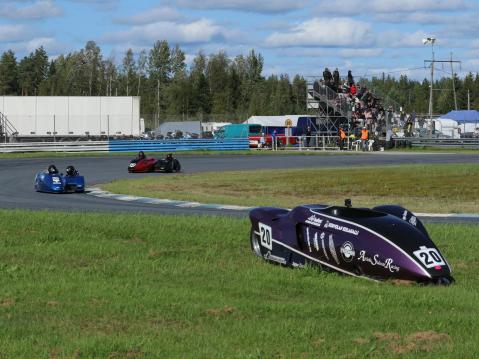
364 138
327 77
342 138
350 79
336 79
308 135
353 90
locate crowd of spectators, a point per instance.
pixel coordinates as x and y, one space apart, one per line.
367 111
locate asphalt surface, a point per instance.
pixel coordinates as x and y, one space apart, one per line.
17 177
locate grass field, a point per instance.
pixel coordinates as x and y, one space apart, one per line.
143 286
433 188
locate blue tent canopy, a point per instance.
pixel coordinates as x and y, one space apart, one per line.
462 116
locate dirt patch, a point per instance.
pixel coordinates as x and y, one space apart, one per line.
418 341
402 282
361 341
220 312
152 254
131 353
7 302
75 355
53 303
461 265
318 342
386 336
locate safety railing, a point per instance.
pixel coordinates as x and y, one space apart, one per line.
306 143
180 145
129 146
79 146
471 143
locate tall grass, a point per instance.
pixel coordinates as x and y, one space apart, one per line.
435 188
124 286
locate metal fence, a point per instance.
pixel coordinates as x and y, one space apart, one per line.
180 145
472 143
79 146
128 146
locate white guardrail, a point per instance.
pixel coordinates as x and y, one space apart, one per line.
79 146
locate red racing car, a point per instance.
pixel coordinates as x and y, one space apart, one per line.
143 164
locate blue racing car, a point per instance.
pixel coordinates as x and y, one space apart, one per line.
51 181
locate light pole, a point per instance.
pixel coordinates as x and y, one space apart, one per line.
430 40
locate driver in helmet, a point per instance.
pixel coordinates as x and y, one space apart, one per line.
169 157
71 171
141 156
52 169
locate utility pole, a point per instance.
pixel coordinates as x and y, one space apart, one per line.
431 40
468 100
453 85
158 104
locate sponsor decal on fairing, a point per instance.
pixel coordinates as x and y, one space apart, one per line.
376 261
341 228
314 220
347 251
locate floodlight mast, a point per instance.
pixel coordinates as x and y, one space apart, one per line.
430 40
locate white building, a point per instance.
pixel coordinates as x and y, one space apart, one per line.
77 116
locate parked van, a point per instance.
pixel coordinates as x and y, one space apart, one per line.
242 130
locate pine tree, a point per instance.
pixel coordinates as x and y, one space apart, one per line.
8 74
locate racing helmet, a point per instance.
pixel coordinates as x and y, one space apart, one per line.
141 155
71 171
169 156
52 169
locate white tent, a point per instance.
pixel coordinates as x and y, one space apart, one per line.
274 121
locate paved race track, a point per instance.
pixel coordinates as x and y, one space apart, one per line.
16 176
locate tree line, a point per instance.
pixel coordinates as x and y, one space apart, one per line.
232 89
213 87
413 95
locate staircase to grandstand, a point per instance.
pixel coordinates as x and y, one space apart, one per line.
333 109
7 130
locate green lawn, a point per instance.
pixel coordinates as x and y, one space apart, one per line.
145 286
432 188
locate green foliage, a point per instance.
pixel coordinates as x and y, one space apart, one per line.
214 87
8 74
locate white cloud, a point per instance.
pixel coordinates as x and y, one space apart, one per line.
12 32
36 10
335 32
104 5
355 53
393 39
360 7
269 6
151 16
420 17
50 44
199 31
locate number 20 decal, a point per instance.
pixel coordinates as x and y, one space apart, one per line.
265 234
430 257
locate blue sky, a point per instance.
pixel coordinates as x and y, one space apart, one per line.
294 36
